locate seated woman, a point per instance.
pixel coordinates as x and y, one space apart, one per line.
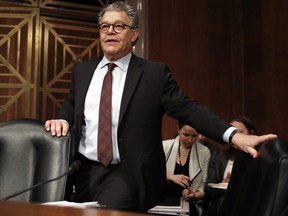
220 167
187 166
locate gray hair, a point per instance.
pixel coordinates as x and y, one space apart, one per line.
121 6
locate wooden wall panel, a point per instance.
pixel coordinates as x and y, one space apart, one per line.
193 38
40 43
64 44
19 47
229 55
266 64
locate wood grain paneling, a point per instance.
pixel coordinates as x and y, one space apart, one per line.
266 64
64 44
229 55
193 38
19 46
40 43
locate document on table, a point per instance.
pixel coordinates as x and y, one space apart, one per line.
222 185
171 207
94 204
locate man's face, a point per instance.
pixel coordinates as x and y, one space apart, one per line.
117 45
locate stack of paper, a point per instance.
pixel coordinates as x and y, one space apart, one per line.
76 205
171 207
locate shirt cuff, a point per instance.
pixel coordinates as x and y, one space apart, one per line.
227 134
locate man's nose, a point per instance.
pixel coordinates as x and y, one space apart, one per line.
111 29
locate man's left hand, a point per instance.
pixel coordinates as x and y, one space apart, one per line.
247 143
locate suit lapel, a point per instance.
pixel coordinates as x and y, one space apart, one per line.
171 162
194 167
134 73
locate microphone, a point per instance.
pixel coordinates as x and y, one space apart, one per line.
75 166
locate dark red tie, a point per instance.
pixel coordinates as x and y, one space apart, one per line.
105 152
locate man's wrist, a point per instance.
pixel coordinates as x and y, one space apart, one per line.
232 135
227 134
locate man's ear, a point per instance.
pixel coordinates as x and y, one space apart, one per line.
135 35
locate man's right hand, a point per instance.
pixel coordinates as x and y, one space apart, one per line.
57 127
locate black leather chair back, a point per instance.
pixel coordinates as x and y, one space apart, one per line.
29 155
259 186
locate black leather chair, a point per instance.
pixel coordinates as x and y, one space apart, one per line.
259 186
29 155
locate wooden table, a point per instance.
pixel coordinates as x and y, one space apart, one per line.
12 208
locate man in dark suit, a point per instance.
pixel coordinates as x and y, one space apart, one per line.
142 91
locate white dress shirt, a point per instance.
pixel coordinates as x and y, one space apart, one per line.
89 138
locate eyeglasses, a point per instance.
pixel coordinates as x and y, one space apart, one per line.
117 27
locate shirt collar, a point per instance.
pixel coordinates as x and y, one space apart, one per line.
122 63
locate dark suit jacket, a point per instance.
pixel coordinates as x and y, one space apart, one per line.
149 92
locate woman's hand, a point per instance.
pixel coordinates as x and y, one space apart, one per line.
188 194
179 179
